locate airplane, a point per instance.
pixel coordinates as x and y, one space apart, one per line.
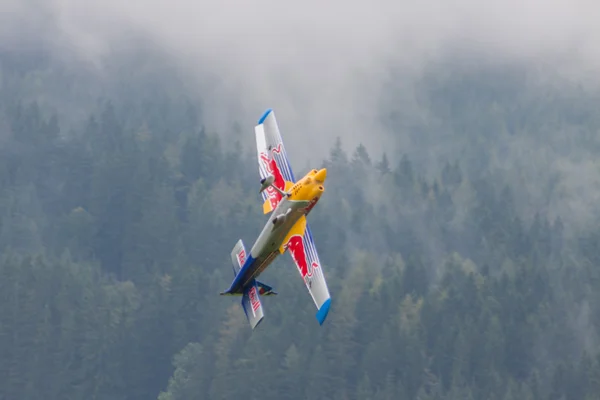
289 202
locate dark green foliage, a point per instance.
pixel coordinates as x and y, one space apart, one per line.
116 235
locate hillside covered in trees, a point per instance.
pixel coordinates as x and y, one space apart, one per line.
464 266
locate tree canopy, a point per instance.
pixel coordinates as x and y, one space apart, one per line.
457 278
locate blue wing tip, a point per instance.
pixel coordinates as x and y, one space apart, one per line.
323 311
264 116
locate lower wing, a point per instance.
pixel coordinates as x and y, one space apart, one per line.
301 246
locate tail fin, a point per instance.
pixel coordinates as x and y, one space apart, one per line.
238 256
252 305
251 296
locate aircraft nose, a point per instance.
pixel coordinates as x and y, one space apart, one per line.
321 175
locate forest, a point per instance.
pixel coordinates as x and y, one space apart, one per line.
465 266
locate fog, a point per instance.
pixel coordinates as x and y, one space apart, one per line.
323 66
509 89
328 68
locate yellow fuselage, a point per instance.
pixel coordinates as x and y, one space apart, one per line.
292 210
310 187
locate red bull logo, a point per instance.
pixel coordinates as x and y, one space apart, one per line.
296 248
241 256
254 299
273 169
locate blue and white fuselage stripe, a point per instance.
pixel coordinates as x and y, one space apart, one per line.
245 271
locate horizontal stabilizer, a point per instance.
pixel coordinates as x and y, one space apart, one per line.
238 256
252 305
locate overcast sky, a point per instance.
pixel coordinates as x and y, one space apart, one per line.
322 65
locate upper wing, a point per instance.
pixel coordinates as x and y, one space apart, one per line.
272 159
302 248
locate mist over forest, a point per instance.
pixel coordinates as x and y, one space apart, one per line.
458 232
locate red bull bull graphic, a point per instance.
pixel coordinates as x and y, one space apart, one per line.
253 300
272 168
296 247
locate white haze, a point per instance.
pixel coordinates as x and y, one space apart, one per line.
323 65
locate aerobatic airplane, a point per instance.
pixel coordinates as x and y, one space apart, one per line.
289 201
